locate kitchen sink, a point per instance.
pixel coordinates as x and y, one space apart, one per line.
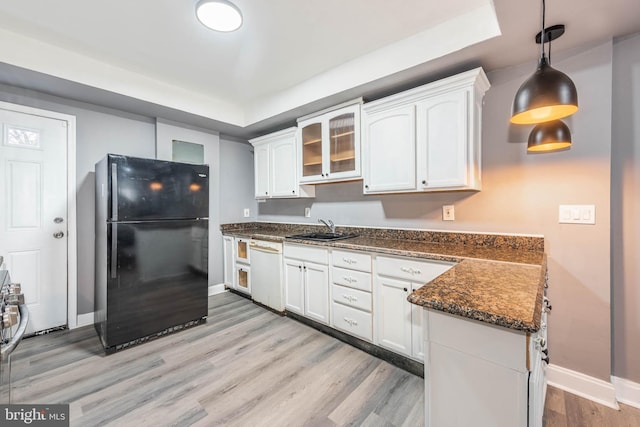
322 237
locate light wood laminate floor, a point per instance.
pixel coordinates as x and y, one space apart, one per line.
245 367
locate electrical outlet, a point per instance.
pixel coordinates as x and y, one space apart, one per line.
307 212
448 213
246 213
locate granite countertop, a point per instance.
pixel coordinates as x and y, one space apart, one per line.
497 279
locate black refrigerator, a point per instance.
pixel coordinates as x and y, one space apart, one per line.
151 248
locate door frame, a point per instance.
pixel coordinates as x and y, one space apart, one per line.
72 241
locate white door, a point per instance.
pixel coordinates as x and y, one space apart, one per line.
442 141
283 167
33 213
394 315
316 295
293 286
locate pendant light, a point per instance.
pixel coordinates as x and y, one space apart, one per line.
548 94
219 15
549 136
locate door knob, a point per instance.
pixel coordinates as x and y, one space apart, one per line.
58 235
58 220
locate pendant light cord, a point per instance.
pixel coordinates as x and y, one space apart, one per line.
543 38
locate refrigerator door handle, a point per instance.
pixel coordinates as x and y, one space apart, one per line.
114 191
114 251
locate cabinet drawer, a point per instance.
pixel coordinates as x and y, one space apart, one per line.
352 321
351 297
352 260
409 269
307 253
351 279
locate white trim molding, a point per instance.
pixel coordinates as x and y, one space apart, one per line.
85 319
216 289
627 391
582 385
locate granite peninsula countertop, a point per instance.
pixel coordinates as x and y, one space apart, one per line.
497 279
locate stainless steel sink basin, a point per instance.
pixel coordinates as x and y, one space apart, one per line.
322 237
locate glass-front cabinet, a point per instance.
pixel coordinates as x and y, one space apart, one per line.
330 145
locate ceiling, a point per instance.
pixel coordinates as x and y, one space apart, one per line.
290 57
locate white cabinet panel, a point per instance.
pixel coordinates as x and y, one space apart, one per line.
229 261
316 290
262 171
411 269
393 315
389 150
443 140
283 168
293 286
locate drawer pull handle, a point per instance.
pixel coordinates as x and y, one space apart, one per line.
350 298
350 261
349 279
411 270
351 322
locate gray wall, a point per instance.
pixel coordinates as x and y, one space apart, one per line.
625 209
521 194
236 181
98 131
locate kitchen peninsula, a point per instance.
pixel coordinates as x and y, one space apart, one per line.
482 332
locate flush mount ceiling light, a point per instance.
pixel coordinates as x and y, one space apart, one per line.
549 136
219 15
548 94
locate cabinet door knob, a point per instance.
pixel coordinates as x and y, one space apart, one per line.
405 289
266 193
366 186
424 182
293 191
546 360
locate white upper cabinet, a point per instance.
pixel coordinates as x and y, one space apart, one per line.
425 139
275 160
389 156
329 143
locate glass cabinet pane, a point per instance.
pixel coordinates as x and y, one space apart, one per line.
243 278
312 150
342 143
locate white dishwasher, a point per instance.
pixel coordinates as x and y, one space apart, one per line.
266 273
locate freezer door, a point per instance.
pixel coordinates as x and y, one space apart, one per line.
144 189
157 277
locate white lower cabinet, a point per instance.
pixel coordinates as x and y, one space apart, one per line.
306 286
398 322
479 374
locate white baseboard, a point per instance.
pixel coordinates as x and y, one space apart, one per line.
627 392
577 383
216 289
85 319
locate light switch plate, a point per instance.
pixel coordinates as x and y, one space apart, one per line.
307 212
448 213
577 214
246 213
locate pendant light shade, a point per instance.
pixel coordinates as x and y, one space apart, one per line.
548 94
219 15
549 136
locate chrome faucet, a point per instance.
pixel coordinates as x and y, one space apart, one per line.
330 225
